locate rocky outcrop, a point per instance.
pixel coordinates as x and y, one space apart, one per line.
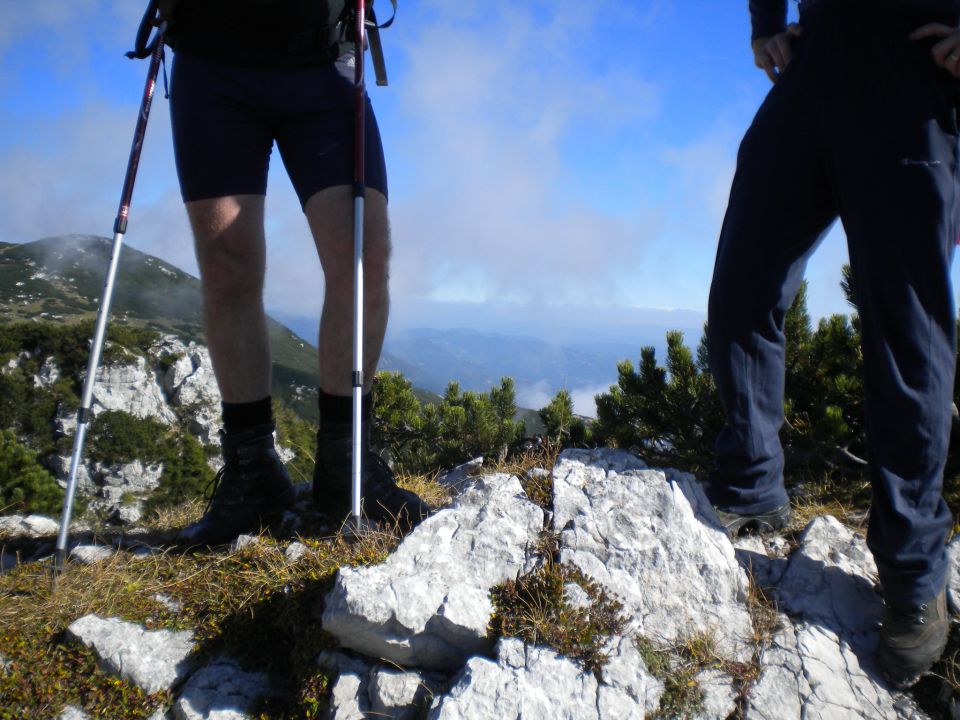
821 663
651 537
190 386
174 382
428 605
650 540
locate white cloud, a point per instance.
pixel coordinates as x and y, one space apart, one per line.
497 210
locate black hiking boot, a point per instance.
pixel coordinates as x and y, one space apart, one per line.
250 492
765 522
912 639
382 500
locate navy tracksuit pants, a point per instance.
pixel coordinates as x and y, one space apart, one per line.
862 125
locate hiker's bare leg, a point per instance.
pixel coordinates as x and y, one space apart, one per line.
330 214
231 252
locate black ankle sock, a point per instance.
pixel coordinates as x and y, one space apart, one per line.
238 417
338 409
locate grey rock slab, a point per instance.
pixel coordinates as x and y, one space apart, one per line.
755 556
719 694
348 700
809 671
348 691
153 660
831 578
821 663
626 686
398 694
531 683
221 690
30 526
652 538
90 554
457 479
428 604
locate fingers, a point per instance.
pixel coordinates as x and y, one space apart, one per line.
946 53
932 30
772 55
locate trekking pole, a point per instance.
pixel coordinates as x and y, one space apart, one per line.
359 195
84 414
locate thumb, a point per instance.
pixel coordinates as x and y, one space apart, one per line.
795 29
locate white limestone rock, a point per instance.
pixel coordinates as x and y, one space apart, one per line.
49 373
626 686
168 602
153 660
831 578
189 382
719 694
821 663
30 526
348 693
652 538
134 476
400 695
91 554
762 558
428 604
457 479
221 691
132 388
809 671
348 701
534 684
244 541
295 552
60 466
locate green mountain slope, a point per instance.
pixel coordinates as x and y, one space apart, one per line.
61 279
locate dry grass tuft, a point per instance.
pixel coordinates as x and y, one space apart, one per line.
253 604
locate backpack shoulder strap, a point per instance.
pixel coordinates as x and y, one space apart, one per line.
376 47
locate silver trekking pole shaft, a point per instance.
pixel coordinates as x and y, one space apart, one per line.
359 193
84 415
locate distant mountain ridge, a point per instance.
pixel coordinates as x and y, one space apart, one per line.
60 279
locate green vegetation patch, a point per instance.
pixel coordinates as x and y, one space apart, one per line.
25 486
534 608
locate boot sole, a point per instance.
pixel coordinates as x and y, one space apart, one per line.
761 523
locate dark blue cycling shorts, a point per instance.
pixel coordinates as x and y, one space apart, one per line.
226 118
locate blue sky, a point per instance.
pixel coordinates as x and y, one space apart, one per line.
561 152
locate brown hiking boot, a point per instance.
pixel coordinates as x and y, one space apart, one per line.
912 639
